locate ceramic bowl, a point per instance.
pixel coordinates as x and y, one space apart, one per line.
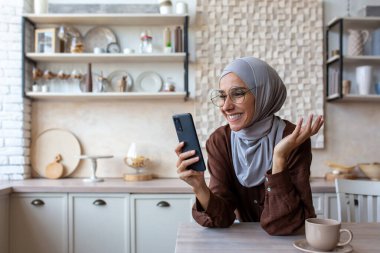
371 170
339 168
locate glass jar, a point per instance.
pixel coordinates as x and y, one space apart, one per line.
77 45
146 43
169 85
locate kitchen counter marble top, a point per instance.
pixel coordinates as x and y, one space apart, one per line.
118 185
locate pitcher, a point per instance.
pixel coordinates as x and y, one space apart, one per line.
356 41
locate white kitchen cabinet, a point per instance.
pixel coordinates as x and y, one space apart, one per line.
99 223
4 223
38 223
331 206
155 219
318 202
325 205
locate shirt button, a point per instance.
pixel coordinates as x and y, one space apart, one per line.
269 189
255 201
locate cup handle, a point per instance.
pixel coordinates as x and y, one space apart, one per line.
350 235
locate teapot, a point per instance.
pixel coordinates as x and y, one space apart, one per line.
356 41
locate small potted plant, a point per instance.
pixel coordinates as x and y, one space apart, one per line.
168 47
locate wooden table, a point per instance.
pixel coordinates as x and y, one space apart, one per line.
250 237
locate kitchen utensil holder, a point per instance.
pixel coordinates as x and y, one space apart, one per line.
94 165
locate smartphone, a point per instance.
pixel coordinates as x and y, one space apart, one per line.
184 126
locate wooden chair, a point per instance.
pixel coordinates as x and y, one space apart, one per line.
358 200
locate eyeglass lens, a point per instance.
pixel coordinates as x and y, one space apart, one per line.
237 95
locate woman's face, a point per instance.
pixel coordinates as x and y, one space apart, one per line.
238 115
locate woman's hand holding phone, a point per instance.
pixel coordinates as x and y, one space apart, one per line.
194 178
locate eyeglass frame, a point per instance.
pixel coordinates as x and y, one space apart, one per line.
228 94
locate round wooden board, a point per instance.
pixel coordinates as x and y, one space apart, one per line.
51 142
138 177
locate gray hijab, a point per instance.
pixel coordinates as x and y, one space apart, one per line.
252 147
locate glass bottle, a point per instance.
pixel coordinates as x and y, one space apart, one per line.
88 79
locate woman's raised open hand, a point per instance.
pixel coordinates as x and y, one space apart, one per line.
296 138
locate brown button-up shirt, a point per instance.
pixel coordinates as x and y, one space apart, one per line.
281 204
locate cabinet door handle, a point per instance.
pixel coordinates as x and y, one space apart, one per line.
163 204
37 202
99 202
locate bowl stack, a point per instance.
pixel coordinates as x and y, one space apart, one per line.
340 171
371 170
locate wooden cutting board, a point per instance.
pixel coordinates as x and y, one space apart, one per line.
54 170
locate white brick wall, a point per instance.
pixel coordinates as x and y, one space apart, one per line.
15 118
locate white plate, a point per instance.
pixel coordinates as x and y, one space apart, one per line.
116 76
52 142
149 82
305 247
100 37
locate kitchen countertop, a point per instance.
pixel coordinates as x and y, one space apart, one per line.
118 185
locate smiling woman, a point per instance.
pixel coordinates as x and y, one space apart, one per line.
259 164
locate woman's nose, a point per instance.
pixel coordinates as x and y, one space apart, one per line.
228 104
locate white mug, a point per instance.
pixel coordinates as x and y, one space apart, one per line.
44 88
98 50
36 88
181 8
364 79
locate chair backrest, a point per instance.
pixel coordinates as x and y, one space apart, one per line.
358 200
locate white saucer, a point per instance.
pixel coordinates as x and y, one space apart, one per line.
305 247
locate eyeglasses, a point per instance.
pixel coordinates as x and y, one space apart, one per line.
236 94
